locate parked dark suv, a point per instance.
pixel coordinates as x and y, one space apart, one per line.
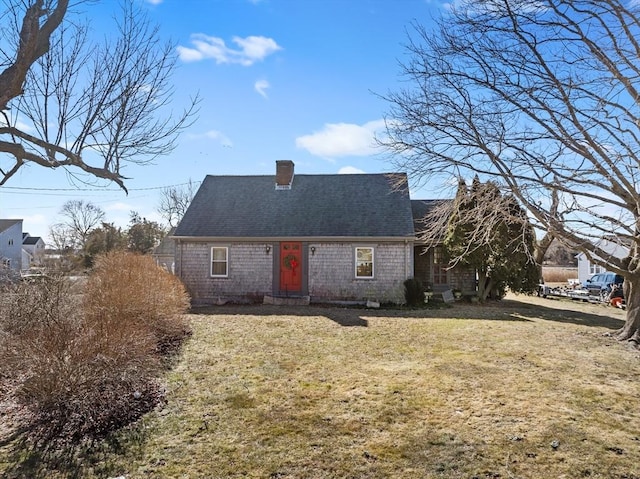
600 284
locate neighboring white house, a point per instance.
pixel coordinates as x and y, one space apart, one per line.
11 244
19 251
34 246
586 268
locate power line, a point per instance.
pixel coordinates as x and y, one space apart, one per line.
92 189
81 195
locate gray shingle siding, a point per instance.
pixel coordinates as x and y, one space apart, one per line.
332 273
329 272
250 272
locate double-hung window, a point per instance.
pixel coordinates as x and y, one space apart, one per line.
219 262
364 262
439 266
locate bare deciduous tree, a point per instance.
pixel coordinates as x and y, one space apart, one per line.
541 97
80 217
61 237
174 202
66 102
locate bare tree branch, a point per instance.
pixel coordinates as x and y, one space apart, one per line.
174 202
32 44
542 98
94 107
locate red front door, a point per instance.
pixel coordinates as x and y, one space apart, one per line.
290 267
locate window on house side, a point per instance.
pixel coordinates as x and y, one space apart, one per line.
595 268
364 262
219 261
439 266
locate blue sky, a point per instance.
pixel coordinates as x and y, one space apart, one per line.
279 80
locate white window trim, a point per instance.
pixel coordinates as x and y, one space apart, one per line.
373 262
226 275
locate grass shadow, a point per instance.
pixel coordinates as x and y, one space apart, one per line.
27 459
344 316
565 314
347 316
355 316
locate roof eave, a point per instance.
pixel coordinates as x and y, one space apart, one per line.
318 239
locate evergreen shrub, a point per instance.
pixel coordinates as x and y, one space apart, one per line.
414 292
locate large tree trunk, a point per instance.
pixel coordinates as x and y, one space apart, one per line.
38 25
541 249
485 284
631 329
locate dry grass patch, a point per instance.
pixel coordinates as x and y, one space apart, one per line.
559 274
525 389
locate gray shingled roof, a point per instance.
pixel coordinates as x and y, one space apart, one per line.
420 209
361 205
6 224
423 223
29 240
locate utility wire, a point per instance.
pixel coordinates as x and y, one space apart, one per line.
2 188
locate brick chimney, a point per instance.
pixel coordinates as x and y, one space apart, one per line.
284 174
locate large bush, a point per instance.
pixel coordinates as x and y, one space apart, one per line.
130 288
86 360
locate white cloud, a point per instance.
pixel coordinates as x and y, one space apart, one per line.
261 87
350 170
251 49
20 125
215 135
219 137
451 6
189 54
342 139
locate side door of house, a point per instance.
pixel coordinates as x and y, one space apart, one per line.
291 267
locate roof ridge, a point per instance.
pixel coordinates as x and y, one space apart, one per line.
308 174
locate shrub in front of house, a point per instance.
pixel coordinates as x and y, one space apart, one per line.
414 292
81 365
129 287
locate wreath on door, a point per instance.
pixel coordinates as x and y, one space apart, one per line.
290 262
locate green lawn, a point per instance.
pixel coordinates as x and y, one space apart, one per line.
522 389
